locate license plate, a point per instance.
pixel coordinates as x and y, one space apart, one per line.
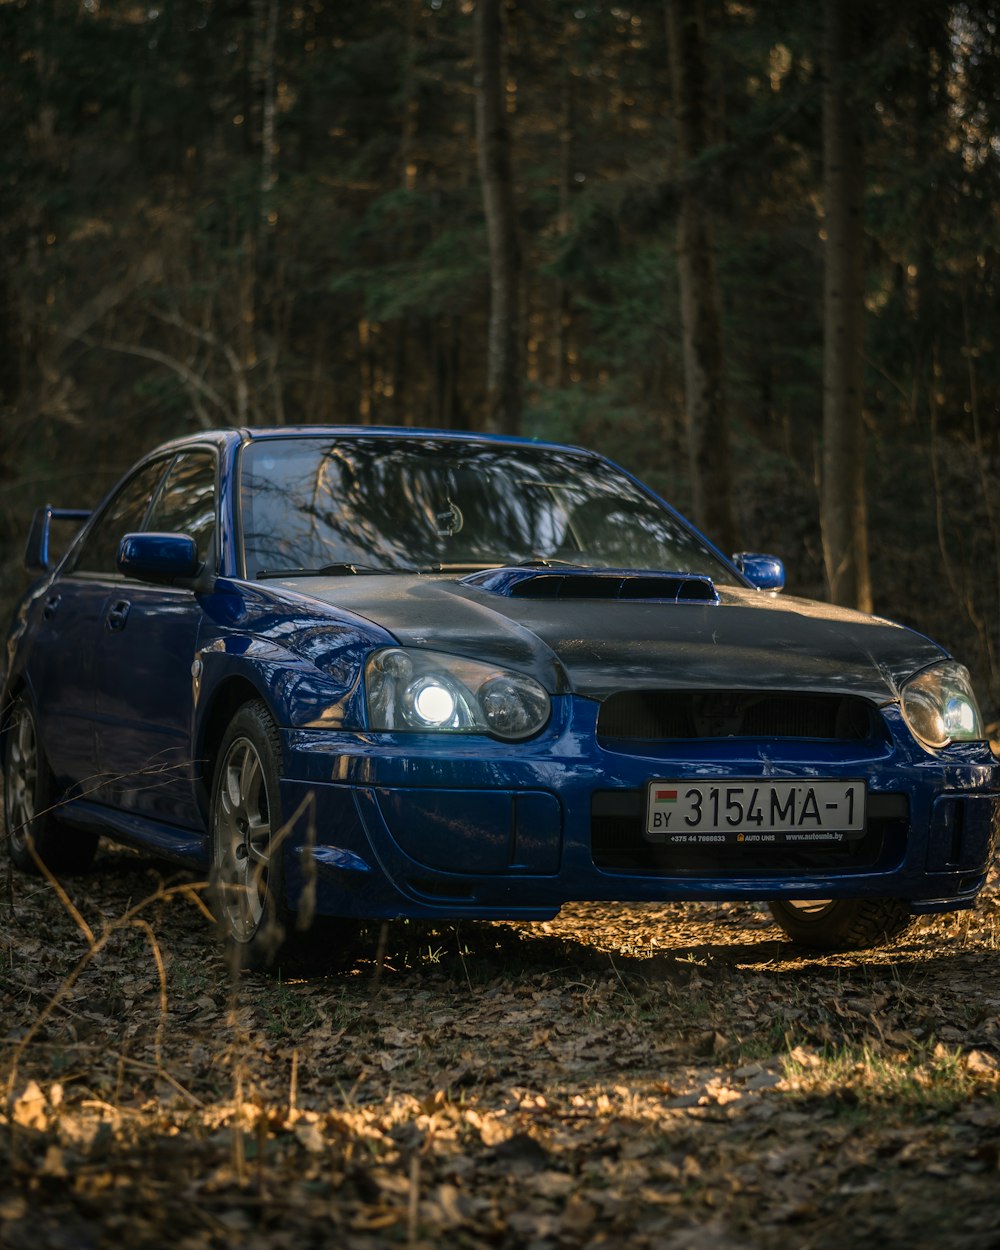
755 812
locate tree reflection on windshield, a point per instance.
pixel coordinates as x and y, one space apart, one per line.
365 503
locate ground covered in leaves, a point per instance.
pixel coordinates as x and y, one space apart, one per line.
673 1077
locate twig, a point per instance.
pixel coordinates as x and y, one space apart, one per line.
82 964
293 1084
147 928
61 894
413 1206
461 955
158 1070
383 940
614 969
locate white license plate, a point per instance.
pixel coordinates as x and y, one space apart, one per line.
755 811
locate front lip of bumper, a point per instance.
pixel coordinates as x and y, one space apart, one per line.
359 867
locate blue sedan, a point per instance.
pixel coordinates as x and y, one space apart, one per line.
379 673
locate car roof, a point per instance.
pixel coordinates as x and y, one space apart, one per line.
222 437
396 432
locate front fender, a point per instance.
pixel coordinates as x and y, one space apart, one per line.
299 694
306 665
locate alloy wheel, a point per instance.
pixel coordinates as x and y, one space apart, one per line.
243 839
22 778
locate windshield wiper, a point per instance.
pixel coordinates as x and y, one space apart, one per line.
341 568
483 566
464 566
546 562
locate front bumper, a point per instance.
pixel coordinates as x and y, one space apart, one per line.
429 825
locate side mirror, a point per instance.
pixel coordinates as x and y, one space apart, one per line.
766 572
156 557
37 555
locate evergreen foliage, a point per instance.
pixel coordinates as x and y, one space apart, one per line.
167 261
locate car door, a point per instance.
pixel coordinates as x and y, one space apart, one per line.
145 651
61 666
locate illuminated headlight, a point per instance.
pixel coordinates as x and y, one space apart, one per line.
940 707
434 704
424 690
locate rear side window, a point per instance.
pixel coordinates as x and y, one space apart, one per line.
123 514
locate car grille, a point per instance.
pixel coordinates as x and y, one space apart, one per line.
618 843
654 715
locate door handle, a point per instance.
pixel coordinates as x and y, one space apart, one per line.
51 603
117 615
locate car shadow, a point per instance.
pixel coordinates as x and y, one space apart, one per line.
480 951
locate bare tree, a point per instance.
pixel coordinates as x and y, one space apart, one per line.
843 513
707 416
504 387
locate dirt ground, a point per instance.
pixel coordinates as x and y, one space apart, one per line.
675 1077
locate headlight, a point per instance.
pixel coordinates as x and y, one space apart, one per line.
424 690
939 706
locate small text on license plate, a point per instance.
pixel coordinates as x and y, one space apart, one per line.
737 810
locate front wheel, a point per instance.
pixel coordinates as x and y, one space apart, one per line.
842 924
247 882
35 835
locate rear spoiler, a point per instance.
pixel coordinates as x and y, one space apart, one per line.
36 549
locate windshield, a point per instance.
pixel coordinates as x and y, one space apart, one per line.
433 505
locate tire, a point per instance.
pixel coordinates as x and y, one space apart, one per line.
247 879
844 924
30 797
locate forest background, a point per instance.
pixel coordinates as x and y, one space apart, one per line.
227 212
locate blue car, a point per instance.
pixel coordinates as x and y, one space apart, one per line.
368 673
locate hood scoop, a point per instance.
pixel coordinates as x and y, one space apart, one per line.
635 587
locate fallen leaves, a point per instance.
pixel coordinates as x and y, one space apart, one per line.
31 1108
666 1077
981 1064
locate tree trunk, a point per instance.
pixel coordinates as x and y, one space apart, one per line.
504 390
560 312
410 94
843 514
707 418
265 39
445 356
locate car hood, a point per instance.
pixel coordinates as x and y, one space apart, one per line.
749 639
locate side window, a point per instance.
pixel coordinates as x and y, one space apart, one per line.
123 515
186 501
